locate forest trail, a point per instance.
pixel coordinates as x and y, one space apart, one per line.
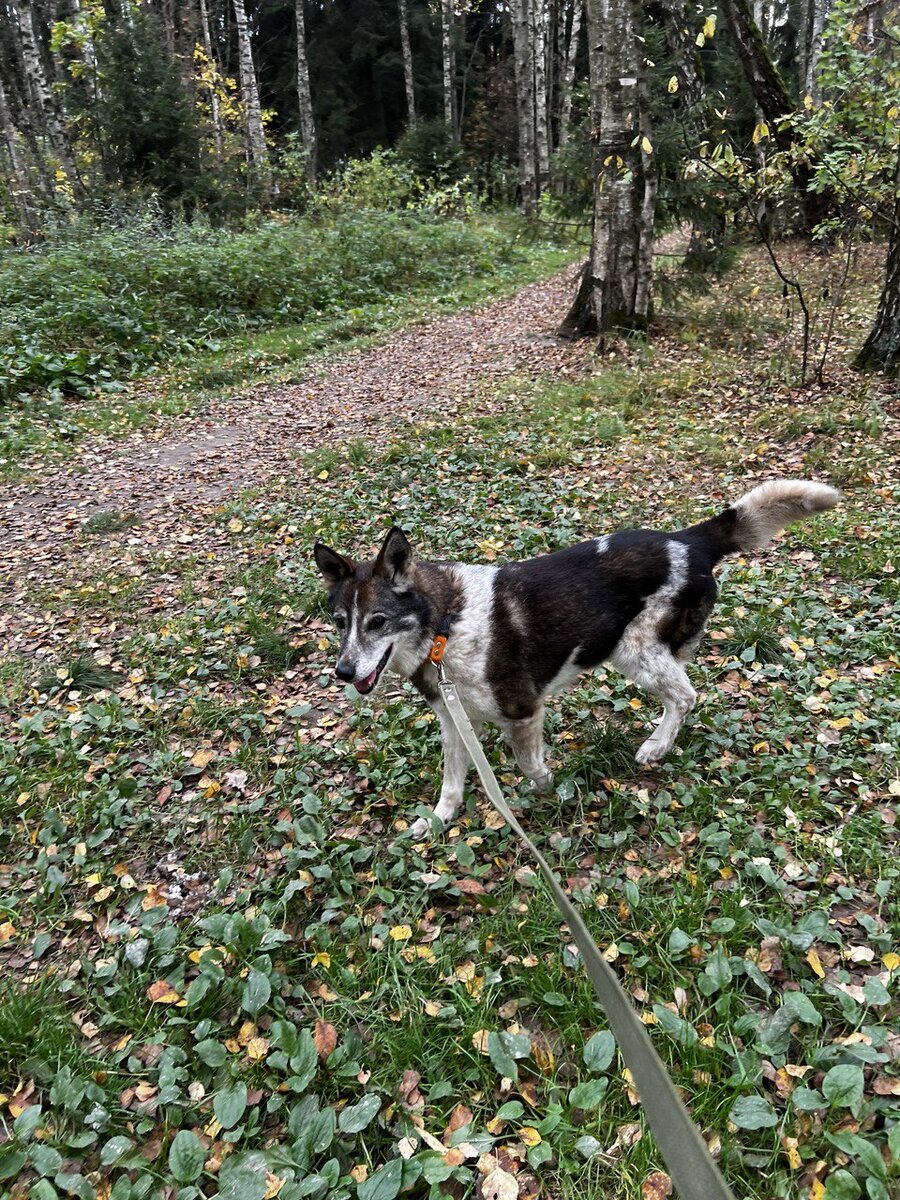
175 480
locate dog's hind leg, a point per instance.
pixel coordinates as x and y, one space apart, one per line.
456 767
656 669
527 740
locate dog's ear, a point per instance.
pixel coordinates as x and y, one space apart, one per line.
395 557
334 567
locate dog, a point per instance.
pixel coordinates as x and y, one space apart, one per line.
516 633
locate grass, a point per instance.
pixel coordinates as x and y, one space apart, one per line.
234 335
208 926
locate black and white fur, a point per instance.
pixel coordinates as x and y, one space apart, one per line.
519 632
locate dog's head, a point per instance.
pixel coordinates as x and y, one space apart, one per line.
380 615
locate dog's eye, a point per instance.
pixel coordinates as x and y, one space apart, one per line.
339 620
375 623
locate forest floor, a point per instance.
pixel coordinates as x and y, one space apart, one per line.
231 978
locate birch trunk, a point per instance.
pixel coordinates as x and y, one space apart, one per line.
523 60
20 186
408 81
304 97
215 114
567 76
447 63
256 138
615 288
540 15
42 95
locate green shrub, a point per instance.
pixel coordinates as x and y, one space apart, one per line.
88 307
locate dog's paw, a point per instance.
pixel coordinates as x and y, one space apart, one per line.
651 752
543 784
420 831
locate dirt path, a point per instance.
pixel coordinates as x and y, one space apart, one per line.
177 481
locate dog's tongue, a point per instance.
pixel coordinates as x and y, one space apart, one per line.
365 685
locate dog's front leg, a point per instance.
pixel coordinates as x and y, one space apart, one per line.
527 739
456 767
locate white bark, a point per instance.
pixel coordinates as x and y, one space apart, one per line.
218 138
304 96
567 78
523 59
408 80
615 293
540 16
41 94
447 63
256 138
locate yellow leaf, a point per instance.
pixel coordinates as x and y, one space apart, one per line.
480 1041
646 145
235 525
162 992
322 959
812 957
700 39
891 960
400 933
817 1191
709 26
257 1049
7 932
795 1162
673 85
530 1136
760 133
635 703
202 758
893 112
840 723
761 748
323 475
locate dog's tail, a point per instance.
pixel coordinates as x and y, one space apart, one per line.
751 522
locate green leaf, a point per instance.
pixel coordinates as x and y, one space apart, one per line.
753 1112
27 1122
230 1104
588 1094
12 1160
186 1156
45 1159
843 1087
211 1052
877 1189
243 1177
875 992
841 1185
588 1147
257 991
114 1149
465 855
384 1184
599 1051
356 1117
513 1109
679 941
503 1061
802 1008
807 1099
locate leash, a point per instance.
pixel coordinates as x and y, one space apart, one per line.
686 1155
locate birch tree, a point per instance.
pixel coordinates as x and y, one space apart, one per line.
615 287
41 94
304 97
256 138
408 81
447 64
215 114
569 56
523 61
540 18
20 184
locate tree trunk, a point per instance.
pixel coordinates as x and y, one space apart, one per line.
215 114
881 350
540 15
567 75
615 290
256 138
447 64
304 97
814 14
20 185
42 95
408 80
523 59
769 89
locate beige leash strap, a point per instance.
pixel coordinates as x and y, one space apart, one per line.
690 1163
